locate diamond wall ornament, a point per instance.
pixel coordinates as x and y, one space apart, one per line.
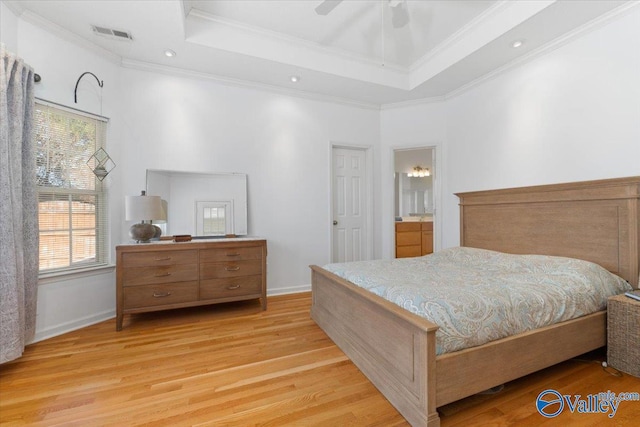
101 164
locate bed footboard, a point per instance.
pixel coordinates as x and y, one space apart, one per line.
394 348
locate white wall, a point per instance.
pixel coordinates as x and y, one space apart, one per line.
406 160
570 115
161 121
8 28
282 143
70 302
573 114
416 126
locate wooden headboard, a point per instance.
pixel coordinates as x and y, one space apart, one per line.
598 221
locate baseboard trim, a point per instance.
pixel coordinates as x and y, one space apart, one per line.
63 328
289 290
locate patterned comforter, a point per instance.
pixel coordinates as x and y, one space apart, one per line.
476 296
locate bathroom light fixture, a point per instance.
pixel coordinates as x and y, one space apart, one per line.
516 44
169 53
295 79
419 172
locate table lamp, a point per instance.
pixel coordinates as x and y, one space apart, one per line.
144 208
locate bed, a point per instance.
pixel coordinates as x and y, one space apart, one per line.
596 221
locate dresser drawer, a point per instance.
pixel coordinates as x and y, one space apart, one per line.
427 226
407 239
152 258
217 270
135 276
165 294
408 226
230 254
161 276
427 242
230 287
408 251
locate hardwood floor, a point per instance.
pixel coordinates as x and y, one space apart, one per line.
237 365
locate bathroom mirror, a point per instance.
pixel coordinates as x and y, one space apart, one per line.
413 195
201 204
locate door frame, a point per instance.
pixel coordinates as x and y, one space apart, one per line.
437 191
368 151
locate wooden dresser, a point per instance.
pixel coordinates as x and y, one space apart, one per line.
414 238
165 275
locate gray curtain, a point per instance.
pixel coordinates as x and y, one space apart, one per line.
18 208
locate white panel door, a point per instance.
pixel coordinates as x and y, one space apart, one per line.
349 205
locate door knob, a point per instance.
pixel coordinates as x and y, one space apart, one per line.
335 222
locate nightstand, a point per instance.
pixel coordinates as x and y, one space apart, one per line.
623 334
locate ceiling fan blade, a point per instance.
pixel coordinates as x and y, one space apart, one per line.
399 14
327 6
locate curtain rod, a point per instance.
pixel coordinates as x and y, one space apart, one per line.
77 110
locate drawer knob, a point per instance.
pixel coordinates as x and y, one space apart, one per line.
161 294
232 287
236 268
233 254
163 259
163 274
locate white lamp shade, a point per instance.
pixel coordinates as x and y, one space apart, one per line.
144 208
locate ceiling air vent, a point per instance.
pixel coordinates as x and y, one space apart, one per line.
111 33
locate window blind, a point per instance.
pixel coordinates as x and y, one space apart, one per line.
72 202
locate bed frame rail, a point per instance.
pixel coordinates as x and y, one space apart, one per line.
394 348
476 369
594 220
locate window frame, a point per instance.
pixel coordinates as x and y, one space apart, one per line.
101 258
225 205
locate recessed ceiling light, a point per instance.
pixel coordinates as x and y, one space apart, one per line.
517 43
295 79
169 53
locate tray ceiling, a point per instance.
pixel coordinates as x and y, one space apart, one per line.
356 52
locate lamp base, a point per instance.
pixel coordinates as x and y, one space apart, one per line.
158 232
141 233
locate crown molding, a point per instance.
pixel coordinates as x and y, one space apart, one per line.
593 25
460 34
314 46
586 28
229 81
561 41
413 102
15 7
56 29
185 7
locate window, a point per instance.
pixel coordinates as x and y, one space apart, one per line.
72 202
214 218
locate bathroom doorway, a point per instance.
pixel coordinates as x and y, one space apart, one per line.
414 201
